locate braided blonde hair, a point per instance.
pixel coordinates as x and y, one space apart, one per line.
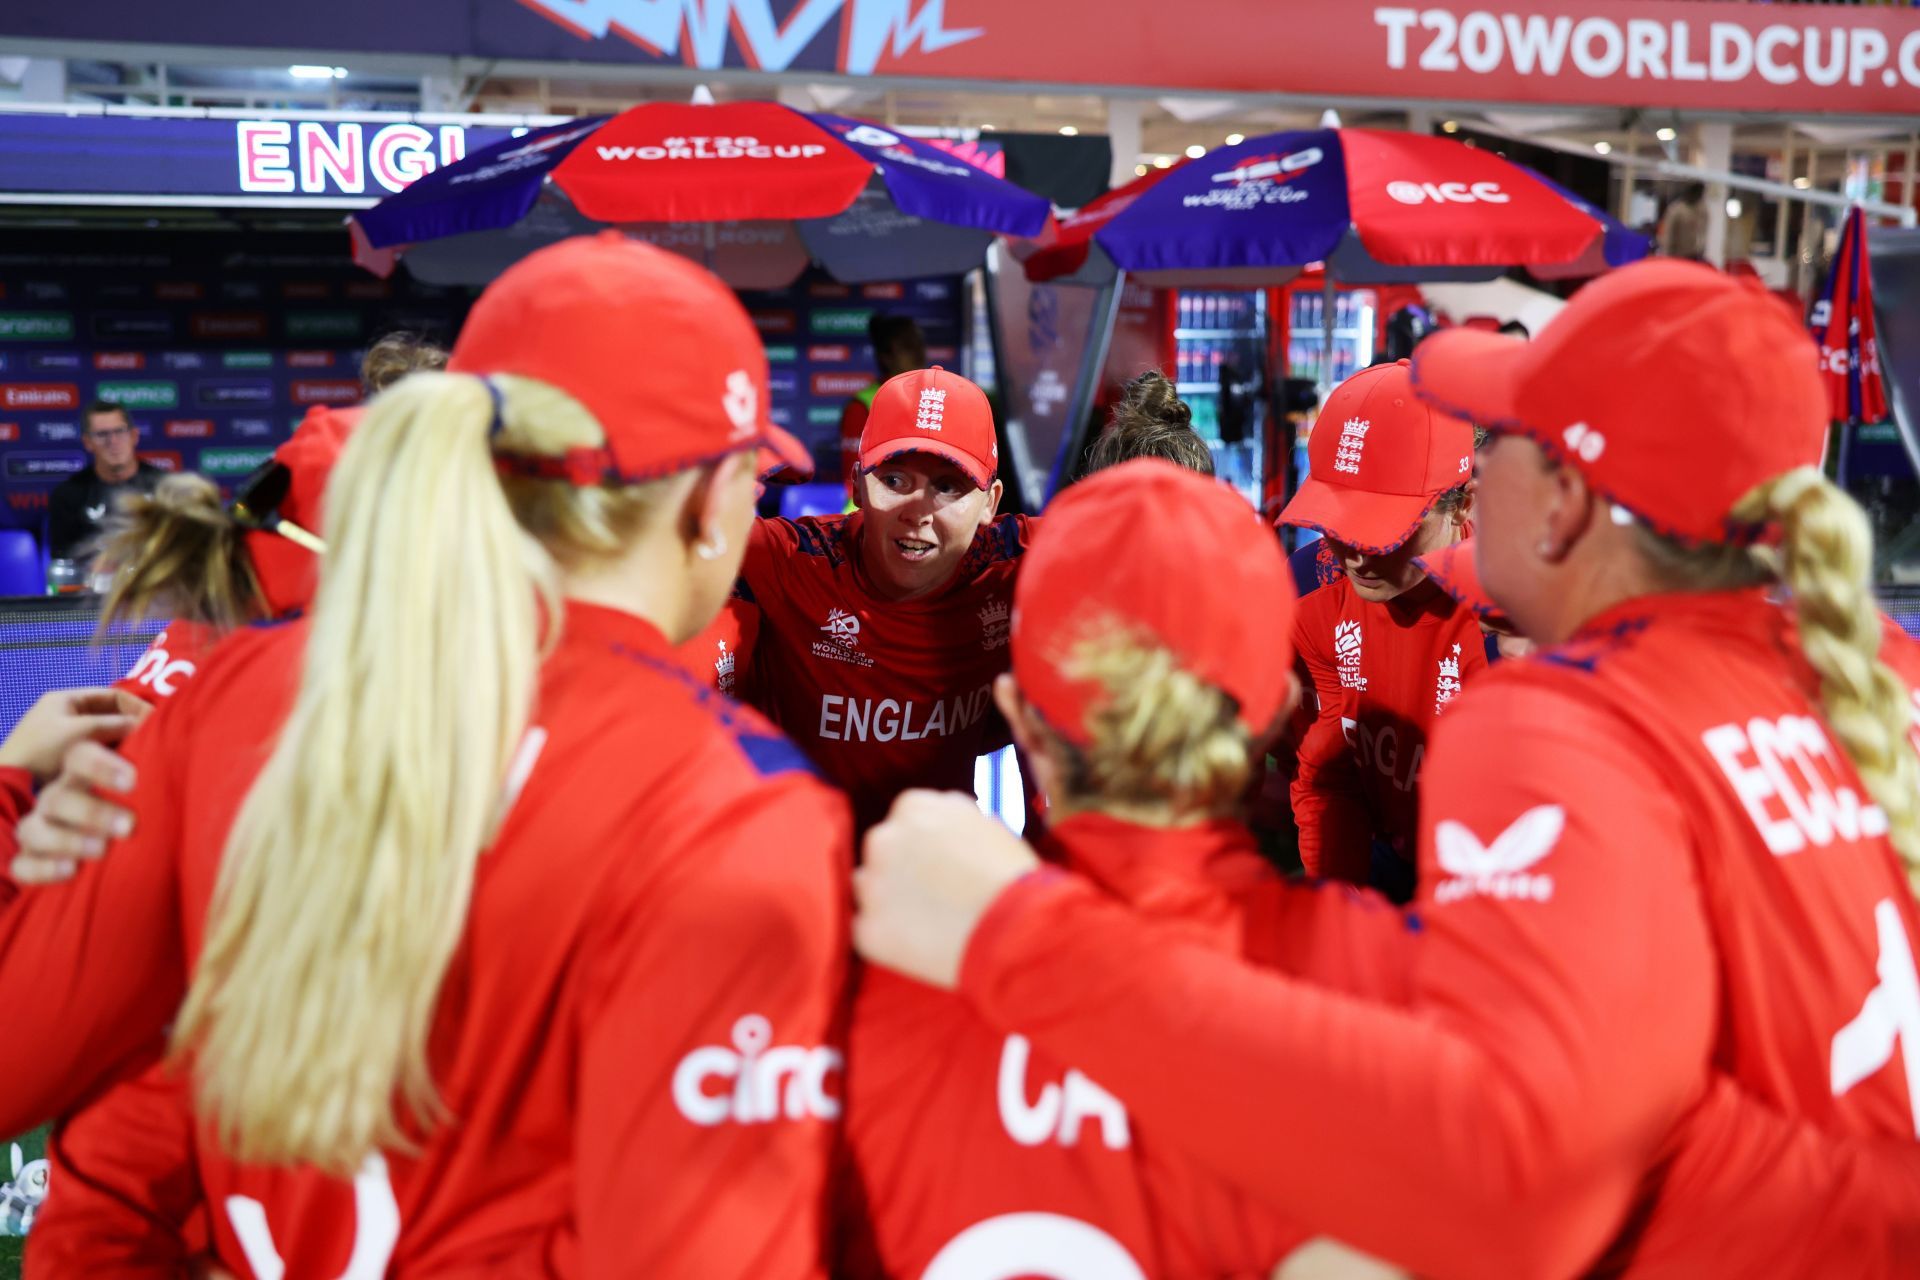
1825 559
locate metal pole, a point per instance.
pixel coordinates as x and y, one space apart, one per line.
1739 181
1907 175
1329 296
1629 172
1803 252
1123 134
1783 241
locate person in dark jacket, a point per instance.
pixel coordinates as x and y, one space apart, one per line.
78 507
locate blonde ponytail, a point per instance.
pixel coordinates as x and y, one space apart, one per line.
1825 558
348 872
177 554
1163 741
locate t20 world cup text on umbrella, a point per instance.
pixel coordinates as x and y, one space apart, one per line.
751 189
1375 206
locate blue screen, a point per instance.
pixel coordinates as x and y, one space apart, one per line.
50 644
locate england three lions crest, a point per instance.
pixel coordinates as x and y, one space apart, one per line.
993 625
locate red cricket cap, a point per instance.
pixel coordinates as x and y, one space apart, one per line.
1378 457
1458 574
287 571
657 349
1122 548
1674 389
932 411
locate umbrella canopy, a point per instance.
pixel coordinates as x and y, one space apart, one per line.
1375 206
751 189
1842 324
1620 245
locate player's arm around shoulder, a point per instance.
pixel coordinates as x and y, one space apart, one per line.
771 542
96 966
1557 865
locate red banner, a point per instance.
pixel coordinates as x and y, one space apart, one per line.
1794 59
1802 59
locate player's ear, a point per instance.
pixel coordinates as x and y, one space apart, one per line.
700 509
995 492
1462 515
1030 735
1572 507
1018 715
1006 696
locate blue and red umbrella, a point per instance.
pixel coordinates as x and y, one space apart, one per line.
1375 206
1842 324
753 189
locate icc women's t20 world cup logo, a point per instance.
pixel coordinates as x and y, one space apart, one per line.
696 31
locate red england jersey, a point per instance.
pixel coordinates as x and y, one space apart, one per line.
16 801
1376 677
130 1190
170 661
633 1040
976 1154
1663 991
124 1196
720 654
723 653
881 694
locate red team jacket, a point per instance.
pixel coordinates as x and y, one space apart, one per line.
16 801
130 1199
1659 925
590 1065
1380 674
882 695
976 1153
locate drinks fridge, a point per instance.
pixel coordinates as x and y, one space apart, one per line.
1220 346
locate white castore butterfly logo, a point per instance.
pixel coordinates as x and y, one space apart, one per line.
1498 869
741 402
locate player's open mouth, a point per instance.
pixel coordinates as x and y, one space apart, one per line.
913 548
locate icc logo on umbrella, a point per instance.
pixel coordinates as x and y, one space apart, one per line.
1447 192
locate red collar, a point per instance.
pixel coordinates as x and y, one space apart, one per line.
599 625
1641 610
1179 872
